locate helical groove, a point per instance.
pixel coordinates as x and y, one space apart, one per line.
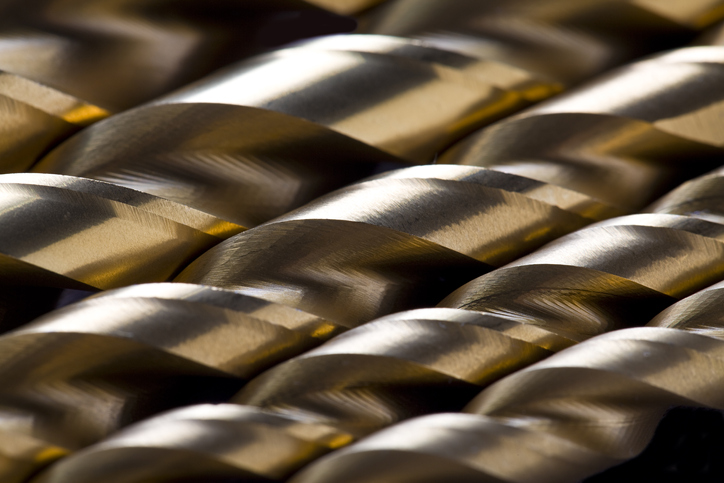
594 280
138 196
67 64
428 95
244 144
582 410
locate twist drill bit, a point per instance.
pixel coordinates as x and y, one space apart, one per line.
63 232
342 389
426 360
127 353
404 97
203 163
118 54
81 233
65 65
333 237
607 133
602 420
559 39
120 321
36 117
584 409
365 100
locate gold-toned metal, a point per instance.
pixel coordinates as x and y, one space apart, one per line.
67 232
428 360
178 342
580 411
621 133
590 406
346 7
399 97
395 241
563 40
587 408
34 118
118 54
66 64
366 99
396 233
324 247
415 233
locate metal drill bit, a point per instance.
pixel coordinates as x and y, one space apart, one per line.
563 40
428 360
587 408
620 160
72 232
248 179
66 64
425 361
254 141
403 97
527 192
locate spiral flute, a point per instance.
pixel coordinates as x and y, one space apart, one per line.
370 101
562 40
395 250
414 261
578 412
252 142
67 64
431 360
426 97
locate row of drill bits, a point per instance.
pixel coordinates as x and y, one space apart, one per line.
144 195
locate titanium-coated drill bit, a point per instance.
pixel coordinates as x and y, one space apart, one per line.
582 410
191 152
632 161
404 97
432 359
66 64
567 41
253 142
187 147
528 182
517 339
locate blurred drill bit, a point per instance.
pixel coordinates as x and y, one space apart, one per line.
563 40
66 64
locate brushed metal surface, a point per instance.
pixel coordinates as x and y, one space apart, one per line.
199 163
253 142
68 232
65 64
564 40
332 261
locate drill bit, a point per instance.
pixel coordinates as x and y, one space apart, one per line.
67 64
517 331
